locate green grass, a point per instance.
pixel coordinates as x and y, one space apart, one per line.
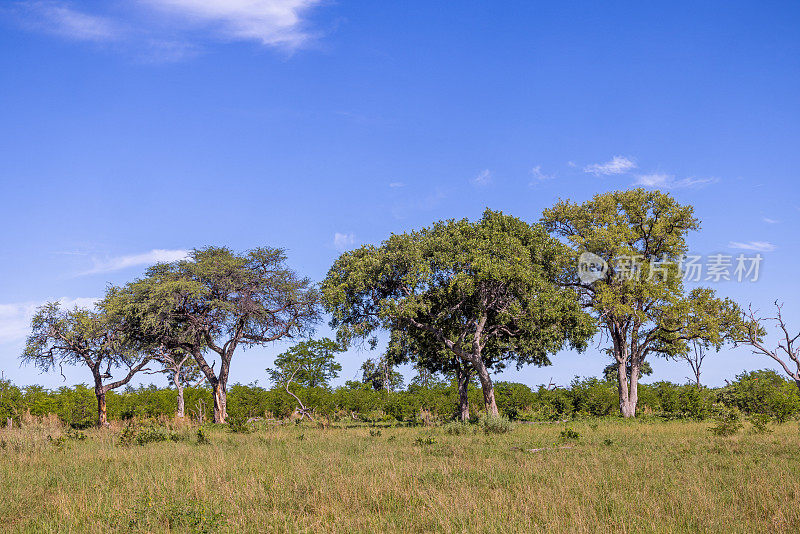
616 476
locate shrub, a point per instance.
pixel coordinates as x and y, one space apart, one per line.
759 422
570 435
495 424
458 428
729 422
238 424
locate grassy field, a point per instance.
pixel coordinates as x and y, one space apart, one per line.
616 476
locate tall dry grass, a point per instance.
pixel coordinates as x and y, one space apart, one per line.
617 476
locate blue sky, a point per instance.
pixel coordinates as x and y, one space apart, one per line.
133 130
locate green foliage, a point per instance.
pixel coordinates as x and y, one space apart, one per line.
569 434
425 440
763 392
461 285
760 422
238 424
644 309
495 424
310 363
728 422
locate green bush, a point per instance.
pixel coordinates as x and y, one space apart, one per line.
495 424
729 422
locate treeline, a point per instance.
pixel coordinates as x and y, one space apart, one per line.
758 392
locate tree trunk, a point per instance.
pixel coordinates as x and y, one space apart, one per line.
486 385
628 389
797 382
102 412
220 402
463 393
180 412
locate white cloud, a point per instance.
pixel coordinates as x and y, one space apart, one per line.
15 318
395 185
537 174
62 19
668 181
617 165
770 221
343 242
757 246
271 22
148 258
484 178
170 30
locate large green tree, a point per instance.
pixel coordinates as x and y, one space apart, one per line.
638 299
311 363
483 291
217 301
91 338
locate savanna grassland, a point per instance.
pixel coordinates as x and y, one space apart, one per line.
593 476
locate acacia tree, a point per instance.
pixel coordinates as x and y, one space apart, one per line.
217 301
786 353
484 292
639 300
312 363
83 337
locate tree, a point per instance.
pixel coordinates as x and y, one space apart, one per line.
786 353
484 292
83 337
312 363
380 375
435 358
611 371
695 359
638 238
218 301
181 370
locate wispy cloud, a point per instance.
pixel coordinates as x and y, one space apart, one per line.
539 176
60 18
483 178
134 260
15 318
757 246
395 185
342 242
617 165
770 221
169 30
668 181
271 22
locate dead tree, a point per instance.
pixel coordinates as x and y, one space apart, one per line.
787 353
301 408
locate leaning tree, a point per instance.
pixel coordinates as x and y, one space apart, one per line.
217 301
636 239
484 292
83 337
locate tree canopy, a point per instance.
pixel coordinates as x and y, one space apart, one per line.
485 291
310 363
639 300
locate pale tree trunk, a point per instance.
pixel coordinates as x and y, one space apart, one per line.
628 390
220 402
463 392
486 385
179 387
